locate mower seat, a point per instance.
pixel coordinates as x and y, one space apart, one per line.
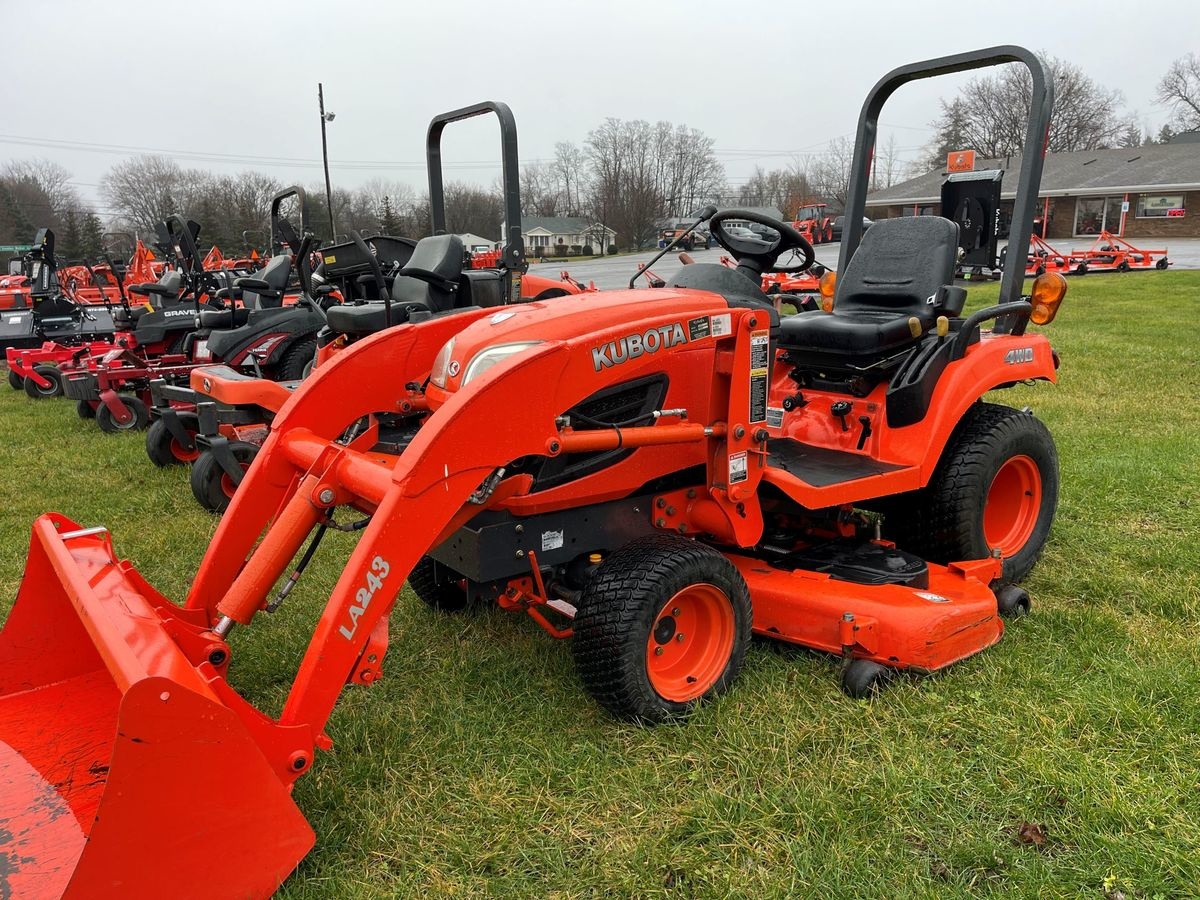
739 290
167 287
895 276
275 273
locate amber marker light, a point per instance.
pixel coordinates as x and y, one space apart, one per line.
1049 289
827 285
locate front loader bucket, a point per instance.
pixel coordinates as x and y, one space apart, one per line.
127 766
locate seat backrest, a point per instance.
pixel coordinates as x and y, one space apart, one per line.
441 254
275 273
899 266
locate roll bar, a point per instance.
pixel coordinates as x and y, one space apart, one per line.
282 231
1036 136
513 257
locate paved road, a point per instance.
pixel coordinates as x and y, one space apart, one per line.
614 271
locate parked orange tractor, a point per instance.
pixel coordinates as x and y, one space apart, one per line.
653 474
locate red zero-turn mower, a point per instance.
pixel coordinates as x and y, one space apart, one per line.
660 471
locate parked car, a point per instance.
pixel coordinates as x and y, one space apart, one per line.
840 220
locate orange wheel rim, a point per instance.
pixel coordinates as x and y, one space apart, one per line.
1014 501
228 488
690 643
182 453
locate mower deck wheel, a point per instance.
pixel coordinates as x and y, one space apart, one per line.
109 424
436 589
864 678
661 626
211 485
84 410
51 374
164 449
15 381
1012 601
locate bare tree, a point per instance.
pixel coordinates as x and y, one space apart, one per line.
830 172
1179 90
642 172
540 191
887 165
568 170
144 190
990 114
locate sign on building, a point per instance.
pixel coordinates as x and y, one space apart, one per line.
960 161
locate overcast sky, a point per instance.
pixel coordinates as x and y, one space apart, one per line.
232 85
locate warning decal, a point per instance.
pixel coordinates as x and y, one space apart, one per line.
760 350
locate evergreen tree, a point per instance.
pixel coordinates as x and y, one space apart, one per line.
70 242
91 236
389 222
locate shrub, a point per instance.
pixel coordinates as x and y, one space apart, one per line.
560 249
612 250
587 250
575 250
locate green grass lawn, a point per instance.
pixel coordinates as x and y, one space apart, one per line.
478 767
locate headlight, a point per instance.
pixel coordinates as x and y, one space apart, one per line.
492 356
441 363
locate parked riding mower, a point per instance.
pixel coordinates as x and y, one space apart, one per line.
391 280
38 369
262 336
51 315
672 469
259 335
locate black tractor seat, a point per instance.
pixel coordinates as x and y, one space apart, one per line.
438 260
358 319
897 274
168 286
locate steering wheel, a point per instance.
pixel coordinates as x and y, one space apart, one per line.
761 255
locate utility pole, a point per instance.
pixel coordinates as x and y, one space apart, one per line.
326 117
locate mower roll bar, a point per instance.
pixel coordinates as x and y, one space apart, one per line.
282 231
513 257
1036 135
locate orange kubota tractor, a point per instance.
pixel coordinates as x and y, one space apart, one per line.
657 473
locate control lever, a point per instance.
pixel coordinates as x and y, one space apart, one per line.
840 410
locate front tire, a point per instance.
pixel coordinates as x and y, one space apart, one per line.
996 486
15 381
164 449
662 626
437 591
84 410
211 485
139 420
52 375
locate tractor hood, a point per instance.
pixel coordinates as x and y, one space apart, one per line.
627 324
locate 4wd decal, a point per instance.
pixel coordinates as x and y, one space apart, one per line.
1020 355
632 346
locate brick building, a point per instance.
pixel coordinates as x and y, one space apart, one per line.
1151 191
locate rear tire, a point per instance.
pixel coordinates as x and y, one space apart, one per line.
109 425
211 485
429 582
164 449
662 626
996 485
296 361
15 381
51 374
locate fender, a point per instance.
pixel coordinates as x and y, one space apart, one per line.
997 360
